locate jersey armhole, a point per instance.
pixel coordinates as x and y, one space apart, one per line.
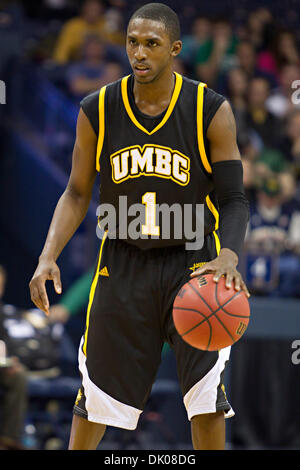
101 133
200 134
204 159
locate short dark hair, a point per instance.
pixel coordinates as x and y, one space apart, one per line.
164 14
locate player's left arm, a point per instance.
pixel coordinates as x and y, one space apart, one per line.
227 173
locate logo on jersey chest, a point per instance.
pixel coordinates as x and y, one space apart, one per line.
150 160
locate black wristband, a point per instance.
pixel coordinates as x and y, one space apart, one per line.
233 205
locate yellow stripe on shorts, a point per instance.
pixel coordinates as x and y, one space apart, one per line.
92 293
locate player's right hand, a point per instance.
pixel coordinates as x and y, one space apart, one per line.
46 270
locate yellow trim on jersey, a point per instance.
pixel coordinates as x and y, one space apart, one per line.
204 159
92 293
101 108
200 103
175 95
218 244
214 211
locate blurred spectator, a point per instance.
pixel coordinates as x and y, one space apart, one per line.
92 72
291 144
280 101
237 89
218 55
282 51
114 30
198 43
268 164
266 125
274 229
286 49
13 385
247 60
248 173
259 28
271 163
249 178
73 32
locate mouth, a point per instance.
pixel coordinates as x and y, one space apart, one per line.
141 69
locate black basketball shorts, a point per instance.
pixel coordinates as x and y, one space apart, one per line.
129 317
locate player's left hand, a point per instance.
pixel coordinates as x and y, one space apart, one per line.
225 264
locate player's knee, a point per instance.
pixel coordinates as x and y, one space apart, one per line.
206 420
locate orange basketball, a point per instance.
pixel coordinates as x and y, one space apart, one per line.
209 316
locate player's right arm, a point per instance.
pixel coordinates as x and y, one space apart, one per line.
69 212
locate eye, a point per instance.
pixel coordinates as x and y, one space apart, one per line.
153 43
132 41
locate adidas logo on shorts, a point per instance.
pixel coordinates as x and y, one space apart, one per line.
104 272
197 265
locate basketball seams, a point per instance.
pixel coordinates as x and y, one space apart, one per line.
199 295
196 311
198 324
210 335
222 306
219 306
213 313
225 328
191 310
205 318
210 313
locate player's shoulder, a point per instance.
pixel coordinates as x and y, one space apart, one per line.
210 95
94 96
90 99
212 100
90 103
189 85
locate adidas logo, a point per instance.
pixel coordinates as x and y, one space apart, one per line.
197 265
104 272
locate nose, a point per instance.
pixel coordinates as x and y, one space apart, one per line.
140 53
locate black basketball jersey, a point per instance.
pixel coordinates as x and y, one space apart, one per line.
147 162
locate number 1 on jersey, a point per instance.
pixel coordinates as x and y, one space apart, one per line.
150 227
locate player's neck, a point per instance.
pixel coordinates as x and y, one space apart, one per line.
153 98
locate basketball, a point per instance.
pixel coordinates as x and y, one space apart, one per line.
209 316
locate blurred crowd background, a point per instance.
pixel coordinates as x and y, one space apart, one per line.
53 53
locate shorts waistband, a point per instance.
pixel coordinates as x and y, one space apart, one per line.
159 251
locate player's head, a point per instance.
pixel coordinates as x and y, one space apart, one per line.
153 40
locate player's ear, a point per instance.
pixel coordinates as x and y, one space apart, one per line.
176 48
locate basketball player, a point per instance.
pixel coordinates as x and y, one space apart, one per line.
154 136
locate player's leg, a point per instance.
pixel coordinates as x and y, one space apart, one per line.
120 352
201 378
208 431
85 435
200 373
